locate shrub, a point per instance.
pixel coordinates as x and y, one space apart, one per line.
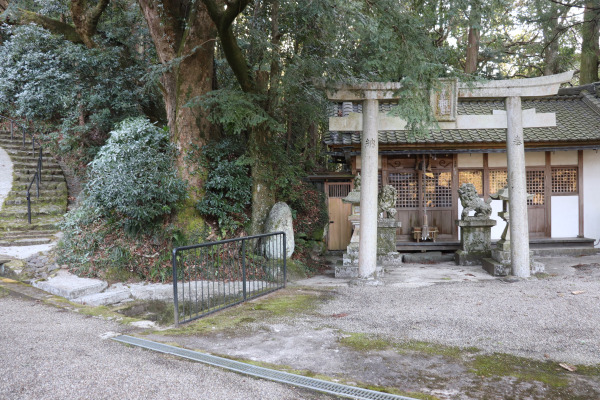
132 178
311 210
228 187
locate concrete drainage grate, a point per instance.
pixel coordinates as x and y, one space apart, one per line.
260 372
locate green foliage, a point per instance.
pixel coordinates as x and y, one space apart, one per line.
132 178
236 111
310 207
73 93
228 187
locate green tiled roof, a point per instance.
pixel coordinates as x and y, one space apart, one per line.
577 120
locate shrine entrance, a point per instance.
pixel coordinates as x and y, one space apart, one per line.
426 191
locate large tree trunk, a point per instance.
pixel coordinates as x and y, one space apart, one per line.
589 45
472 50
552 33
184 37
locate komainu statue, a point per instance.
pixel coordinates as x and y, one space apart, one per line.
387 201
471 202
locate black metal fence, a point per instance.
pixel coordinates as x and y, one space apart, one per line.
37 177
212 276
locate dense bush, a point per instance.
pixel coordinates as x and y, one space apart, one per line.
228 187
132 178
73 94
310 210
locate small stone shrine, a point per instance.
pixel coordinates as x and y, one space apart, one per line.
475 230
500 262
386 232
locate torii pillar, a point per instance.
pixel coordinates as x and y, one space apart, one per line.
513 90
369 94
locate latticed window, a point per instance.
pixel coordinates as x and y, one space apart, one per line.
535 187
407 188
474 176
438 190
498 179
338 189
564 180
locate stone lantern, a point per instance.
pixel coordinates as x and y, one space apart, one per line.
386 233
500 262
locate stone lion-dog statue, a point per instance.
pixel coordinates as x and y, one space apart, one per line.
472 202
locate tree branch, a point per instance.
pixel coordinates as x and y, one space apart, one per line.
53 25
223 19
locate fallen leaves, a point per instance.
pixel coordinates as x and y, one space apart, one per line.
340 315
576 292
568 367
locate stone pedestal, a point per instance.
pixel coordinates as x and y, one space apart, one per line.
500 262
475 240
386 249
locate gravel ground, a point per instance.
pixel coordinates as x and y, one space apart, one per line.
48 353
535 318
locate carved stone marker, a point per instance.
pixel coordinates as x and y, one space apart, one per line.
475 230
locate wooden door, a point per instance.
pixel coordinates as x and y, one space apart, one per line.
340 229
536 206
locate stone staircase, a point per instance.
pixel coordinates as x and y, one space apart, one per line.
46 211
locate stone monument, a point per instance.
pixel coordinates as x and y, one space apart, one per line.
386 232
475 230
500 262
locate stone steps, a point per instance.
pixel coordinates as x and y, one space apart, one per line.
46 177
45 185
46 211
24 242
22 200
37 223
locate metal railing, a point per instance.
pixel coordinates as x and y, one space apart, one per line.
37 177
209 277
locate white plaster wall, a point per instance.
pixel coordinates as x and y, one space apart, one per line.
497 160
591 194
6 175
565 216
471 160
496 208
535 158
564 157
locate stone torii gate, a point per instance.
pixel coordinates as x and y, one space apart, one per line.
512 90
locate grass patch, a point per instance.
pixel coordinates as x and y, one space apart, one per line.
276 305
521 368
435 349
152 310
364 342
101 311
3 292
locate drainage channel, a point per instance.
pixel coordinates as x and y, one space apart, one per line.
260 372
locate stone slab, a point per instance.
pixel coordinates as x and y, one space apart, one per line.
104 298
428 257
351 271
70 286
153 291
462 257
495 268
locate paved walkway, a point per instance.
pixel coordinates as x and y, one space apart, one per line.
51 354
6 175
